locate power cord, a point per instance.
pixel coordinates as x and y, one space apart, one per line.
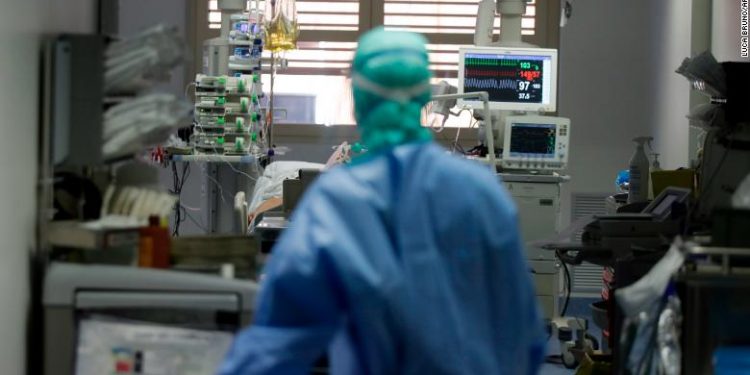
221 189
568 283
178 182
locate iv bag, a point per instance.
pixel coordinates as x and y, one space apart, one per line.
281 25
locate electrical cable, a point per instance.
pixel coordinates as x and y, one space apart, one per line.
240 172
185 175
472 122
251 178
178 183
458 133
568 283
218 185
194 221
428 110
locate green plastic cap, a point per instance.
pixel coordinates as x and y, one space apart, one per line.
255 99
221 100
256 78
256 116
222 81
221 120
220 140
241 85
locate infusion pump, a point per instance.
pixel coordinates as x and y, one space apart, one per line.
538 143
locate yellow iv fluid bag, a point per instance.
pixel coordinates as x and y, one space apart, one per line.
281 25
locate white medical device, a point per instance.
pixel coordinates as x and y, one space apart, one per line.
517 79
536 143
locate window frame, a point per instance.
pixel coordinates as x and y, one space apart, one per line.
371 14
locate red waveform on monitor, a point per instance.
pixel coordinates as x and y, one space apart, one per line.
489 73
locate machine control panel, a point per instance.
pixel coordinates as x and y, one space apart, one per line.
538 143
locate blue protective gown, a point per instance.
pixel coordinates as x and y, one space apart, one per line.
407 263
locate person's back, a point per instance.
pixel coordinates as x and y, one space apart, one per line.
408 261
440 285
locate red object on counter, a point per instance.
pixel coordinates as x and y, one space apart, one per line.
154 245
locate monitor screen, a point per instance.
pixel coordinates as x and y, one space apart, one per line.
516 79
533 140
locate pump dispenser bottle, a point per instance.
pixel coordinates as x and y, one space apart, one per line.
639 172
655 167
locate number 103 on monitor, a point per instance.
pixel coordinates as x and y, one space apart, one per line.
517 79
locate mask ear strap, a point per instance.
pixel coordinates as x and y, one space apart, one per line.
401 95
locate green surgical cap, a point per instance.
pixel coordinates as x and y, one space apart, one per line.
391 84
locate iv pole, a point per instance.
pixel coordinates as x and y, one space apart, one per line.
510 12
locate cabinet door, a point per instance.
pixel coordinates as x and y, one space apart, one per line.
538 212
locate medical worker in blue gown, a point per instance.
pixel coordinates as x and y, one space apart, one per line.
407 261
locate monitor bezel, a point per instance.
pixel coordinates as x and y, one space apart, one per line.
510 106
534 119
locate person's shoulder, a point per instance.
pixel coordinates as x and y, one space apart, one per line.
338 183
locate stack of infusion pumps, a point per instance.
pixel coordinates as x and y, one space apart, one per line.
228 115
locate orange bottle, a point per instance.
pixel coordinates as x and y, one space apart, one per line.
154 245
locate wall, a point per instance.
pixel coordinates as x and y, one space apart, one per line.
700 41
22 24
617 81
725 30
671 20
138 15
605 89
135 16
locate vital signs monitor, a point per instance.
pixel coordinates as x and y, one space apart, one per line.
517 79
536 143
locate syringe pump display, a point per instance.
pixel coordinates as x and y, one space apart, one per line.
516 79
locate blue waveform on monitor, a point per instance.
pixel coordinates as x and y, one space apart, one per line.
489 83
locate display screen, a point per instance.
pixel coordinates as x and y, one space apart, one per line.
509 77
533 140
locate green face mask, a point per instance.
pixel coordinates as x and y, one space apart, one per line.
391 84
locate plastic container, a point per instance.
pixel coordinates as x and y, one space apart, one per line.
682 178
639 172
655 167
154 246
281 25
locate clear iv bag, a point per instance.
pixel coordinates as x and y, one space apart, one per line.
281 25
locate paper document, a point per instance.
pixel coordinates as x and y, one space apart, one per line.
131 348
